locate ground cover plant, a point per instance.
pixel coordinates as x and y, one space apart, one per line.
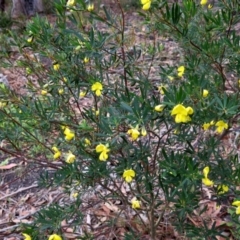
115 127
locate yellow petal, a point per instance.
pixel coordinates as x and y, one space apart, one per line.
207 182
146 6
236 203
27 237
206 171
54 237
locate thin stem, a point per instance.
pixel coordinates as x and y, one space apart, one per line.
122 47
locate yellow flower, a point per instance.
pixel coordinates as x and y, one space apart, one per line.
60 91
56 66
87 142
159 108
143 131
97 112
97 87
210 6
135 203
57 153
205 93
237 203
203 2
206 181
128 174
103 150
180 71
222 189
170 78
3 104
86 60
27 237
134 133
182 113
90 7
54 237
71 3
206 126
69 134
70 157
212 122
65 80
221 125
30 39
44 92
146 4
206 171
82 94
161 89
74 195
238 210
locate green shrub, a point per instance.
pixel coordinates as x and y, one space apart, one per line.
132 121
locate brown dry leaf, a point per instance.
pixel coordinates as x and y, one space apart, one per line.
111 206
106 209
9 166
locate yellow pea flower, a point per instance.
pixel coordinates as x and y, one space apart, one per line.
74 195
161 89
44 92
146 6
97 87
2 104
86 60
97 112
69 134
128 175
203 2
206 126
57 153
212 123
26 236
143 131
71 3
30 39
159 108
205 93
56 66
222 189
181 71
103 150
90 7
87 142
134 133
70 157
210 6
206 181
82 94
221 125
54 237
237 204
182 113
135 203
61 91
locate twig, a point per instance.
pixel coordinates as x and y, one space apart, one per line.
18 191
8 228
